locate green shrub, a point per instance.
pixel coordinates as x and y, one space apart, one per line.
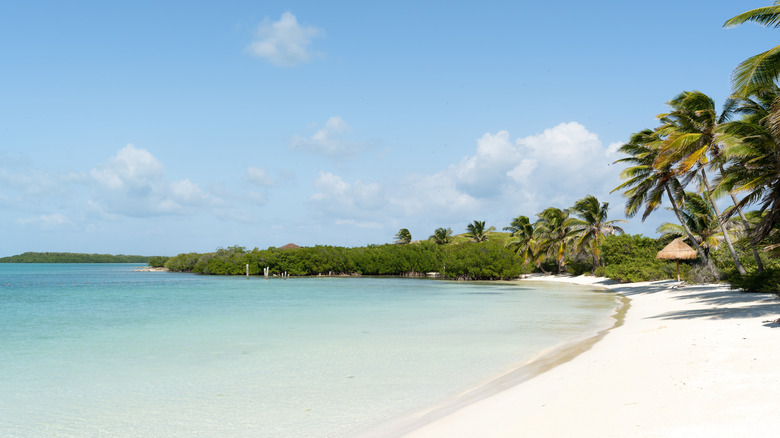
631 258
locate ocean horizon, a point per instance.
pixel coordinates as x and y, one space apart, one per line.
94 349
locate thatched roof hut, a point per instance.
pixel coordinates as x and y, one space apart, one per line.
677 250
290 246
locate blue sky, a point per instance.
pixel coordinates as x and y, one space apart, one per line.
167 127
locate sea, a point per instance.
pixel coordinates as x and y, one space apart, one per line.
103 350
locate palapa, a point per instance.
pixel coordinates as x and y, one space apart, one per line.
677 250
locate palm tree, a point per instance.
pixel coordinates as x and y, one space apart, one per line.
476 230
591 225
701 219
403 236
646 184
554 231
764 68
753 156
518 225
441 235
690 145
524 242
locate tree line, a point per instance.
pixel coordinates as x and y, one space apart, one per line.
69 257
560 240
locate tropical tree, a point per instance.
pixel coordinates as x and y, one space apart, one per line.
524 242
441 235
477 231
753 156
403 236
690 146
554 231
701 219
591 226
646 184
762 69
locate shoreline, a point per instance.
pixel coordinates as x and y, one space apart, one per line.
541 362
687 360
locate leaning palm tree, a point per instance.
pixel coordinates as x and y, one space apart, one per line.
403 236
701 219
554 232
591 226
441 235
477 231
518 225
646 184
525 243
690 145
764 68
753 155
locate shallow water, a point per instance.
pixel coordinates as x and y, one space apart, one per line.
101 350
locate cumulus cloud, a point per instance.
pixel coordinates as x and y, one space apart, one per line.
332 141
337 198
133 183
285 42
500 180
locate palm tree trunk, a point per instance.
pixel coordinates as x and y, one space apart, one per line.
701 252
759 263
726 237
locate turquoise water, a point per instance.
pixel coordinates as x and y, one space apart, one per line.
102 350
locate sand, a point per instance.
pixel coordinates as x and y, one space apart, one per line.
687 361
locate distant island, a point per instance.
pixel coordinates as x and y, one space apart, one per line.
69 257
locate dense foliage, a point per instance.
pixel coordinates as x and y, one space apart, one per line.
632 258
68 257
484 260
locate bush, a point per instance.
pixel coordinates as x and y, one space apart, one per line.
631 258
754 281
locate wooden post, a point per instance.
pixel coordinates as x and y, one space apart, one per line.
247 270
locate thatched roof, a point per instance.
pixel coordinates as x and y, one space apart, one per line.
677 250
289 246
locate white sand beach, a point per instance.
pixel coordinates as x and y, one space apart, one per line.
689 361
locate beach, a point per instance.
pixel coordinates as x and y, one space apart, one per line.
684 360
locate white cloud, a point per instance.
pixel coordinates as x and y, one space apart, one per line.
133 171
332 141
285 42
502 179
258 177
133 183
46 221
337 198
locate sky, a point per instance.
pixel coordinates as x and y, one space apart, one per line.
159 128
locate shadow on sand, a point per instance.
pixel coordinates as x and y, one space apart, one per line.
712 301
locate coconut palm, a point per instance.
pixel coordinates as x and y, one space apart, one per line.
764 68
701 219
518 225
554 232
441 235
646 184
403 236
690 146
753 155
524 242
477 231
591 226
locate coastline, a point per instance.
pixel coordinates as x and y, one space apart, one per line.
685 361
